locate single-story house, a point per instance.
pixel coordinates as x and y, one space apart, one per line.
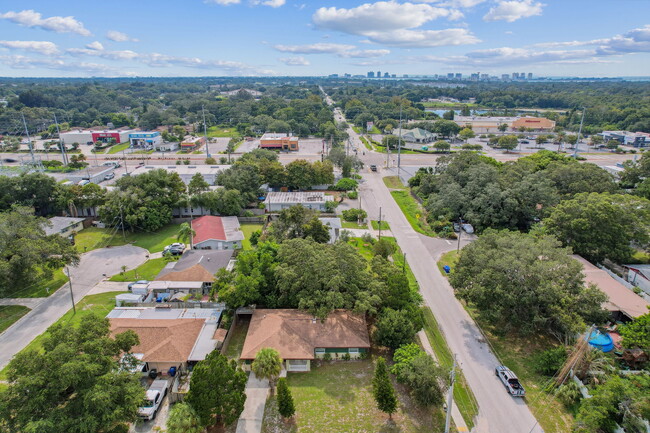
64 226
277 201
639 275
334 226
623 303
197 266
299 337
417 135
169 337
166 146
217 233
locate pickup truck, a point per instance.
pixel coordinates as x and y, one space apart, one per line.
153 399
510 381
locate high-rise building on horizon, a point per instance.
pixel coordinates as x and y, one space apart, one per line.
530 75
459 76
378 74
371 74
515 75
505 77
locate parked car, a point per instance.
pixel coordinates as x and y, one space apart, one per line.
524 141
456 227
174 249
130 286
109 176
468 228
510 381
153 399
83 182
373 167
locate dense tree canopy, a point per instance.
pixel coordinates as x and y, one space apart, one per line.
75 384
526 283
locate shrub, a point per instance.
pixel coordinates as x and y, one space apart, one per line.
330 206
346 184
210 161
223 160
327 357
393 329
367 238
403 355
550 361
178 162
383 248
345 235
353 195
285 399
346 357
248 214
354 214
423 377
255 237
186 161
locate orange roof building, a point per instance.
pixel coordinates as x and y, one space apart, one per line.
534 123
299 337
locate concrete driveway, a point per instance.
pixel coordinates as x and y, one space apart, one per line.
155 425
92 268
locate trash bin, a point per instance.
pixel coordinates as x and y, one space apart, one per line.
172 371
447 269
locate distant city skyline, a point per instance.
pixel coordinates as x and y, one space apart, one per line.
83 38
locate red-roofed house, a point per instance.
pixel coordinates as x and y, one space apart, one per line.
217 233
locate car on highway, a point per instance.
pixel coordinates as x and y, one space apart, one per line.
468 228
130 286
510 381
115 164
373 167
109 176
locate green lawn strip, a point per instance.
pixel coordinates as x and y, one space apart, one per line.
100 304
517 353
376 225
236 342
337 397
352 225
448 259
412 211
118 148
393 182
463 395
248 229
94 237
42 288
220 131
366 143
9 314
146 271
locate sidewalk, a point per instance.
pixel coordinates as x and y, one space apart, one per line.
455 413
250 420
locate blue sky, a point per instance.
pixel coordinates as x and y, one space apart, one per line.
287 37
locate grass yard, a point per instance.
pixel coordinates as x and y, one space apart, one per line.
517 353
412 211
450 259
9 314
384 225
94 237
393 182
42 288
463 395
146 271
337 397
248 229
100 304
221 131
118 148
352 225
236 343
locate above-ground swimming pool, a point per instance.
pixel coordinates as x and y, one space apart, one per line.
601 341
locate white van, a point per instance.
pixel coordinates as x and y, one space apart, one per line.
83 182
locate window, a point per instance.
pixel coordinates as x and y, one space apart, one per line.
320 351
353 350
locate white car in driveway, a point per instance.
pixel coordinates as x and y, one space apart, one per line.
153 399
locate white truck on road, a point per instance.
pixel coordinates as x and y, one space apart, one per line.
153 399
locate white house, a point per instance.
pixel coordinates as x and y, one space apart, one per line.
217 233
64 226
276 201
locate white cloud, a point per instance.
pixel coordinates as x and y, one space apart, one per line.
116 36
95 46
295 61
511 11
455 3
42 47
31 18
318 48
341 50
395 24
78 68
271 3
224 2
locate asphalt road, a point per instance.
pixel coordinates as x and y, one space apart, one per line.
498 411
90 271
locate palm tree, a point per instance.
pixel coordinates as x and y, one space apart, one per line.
267 365
186 233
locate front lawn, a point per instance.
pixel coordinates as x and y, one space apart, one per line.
384 225
352 225
337 397
94 237
100 304
393 182
248 229
118 148
42 288
413 212
9 314
146 271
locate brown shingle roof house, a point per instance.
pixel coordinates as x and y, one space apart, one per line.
300 338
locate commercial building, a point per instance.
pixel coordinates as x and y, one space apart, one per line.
417 135
485 124
636 139
299 337
272 140
217 233
533 123
192 143
145 139
276 201
209 172
64 226
168 337
90 136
